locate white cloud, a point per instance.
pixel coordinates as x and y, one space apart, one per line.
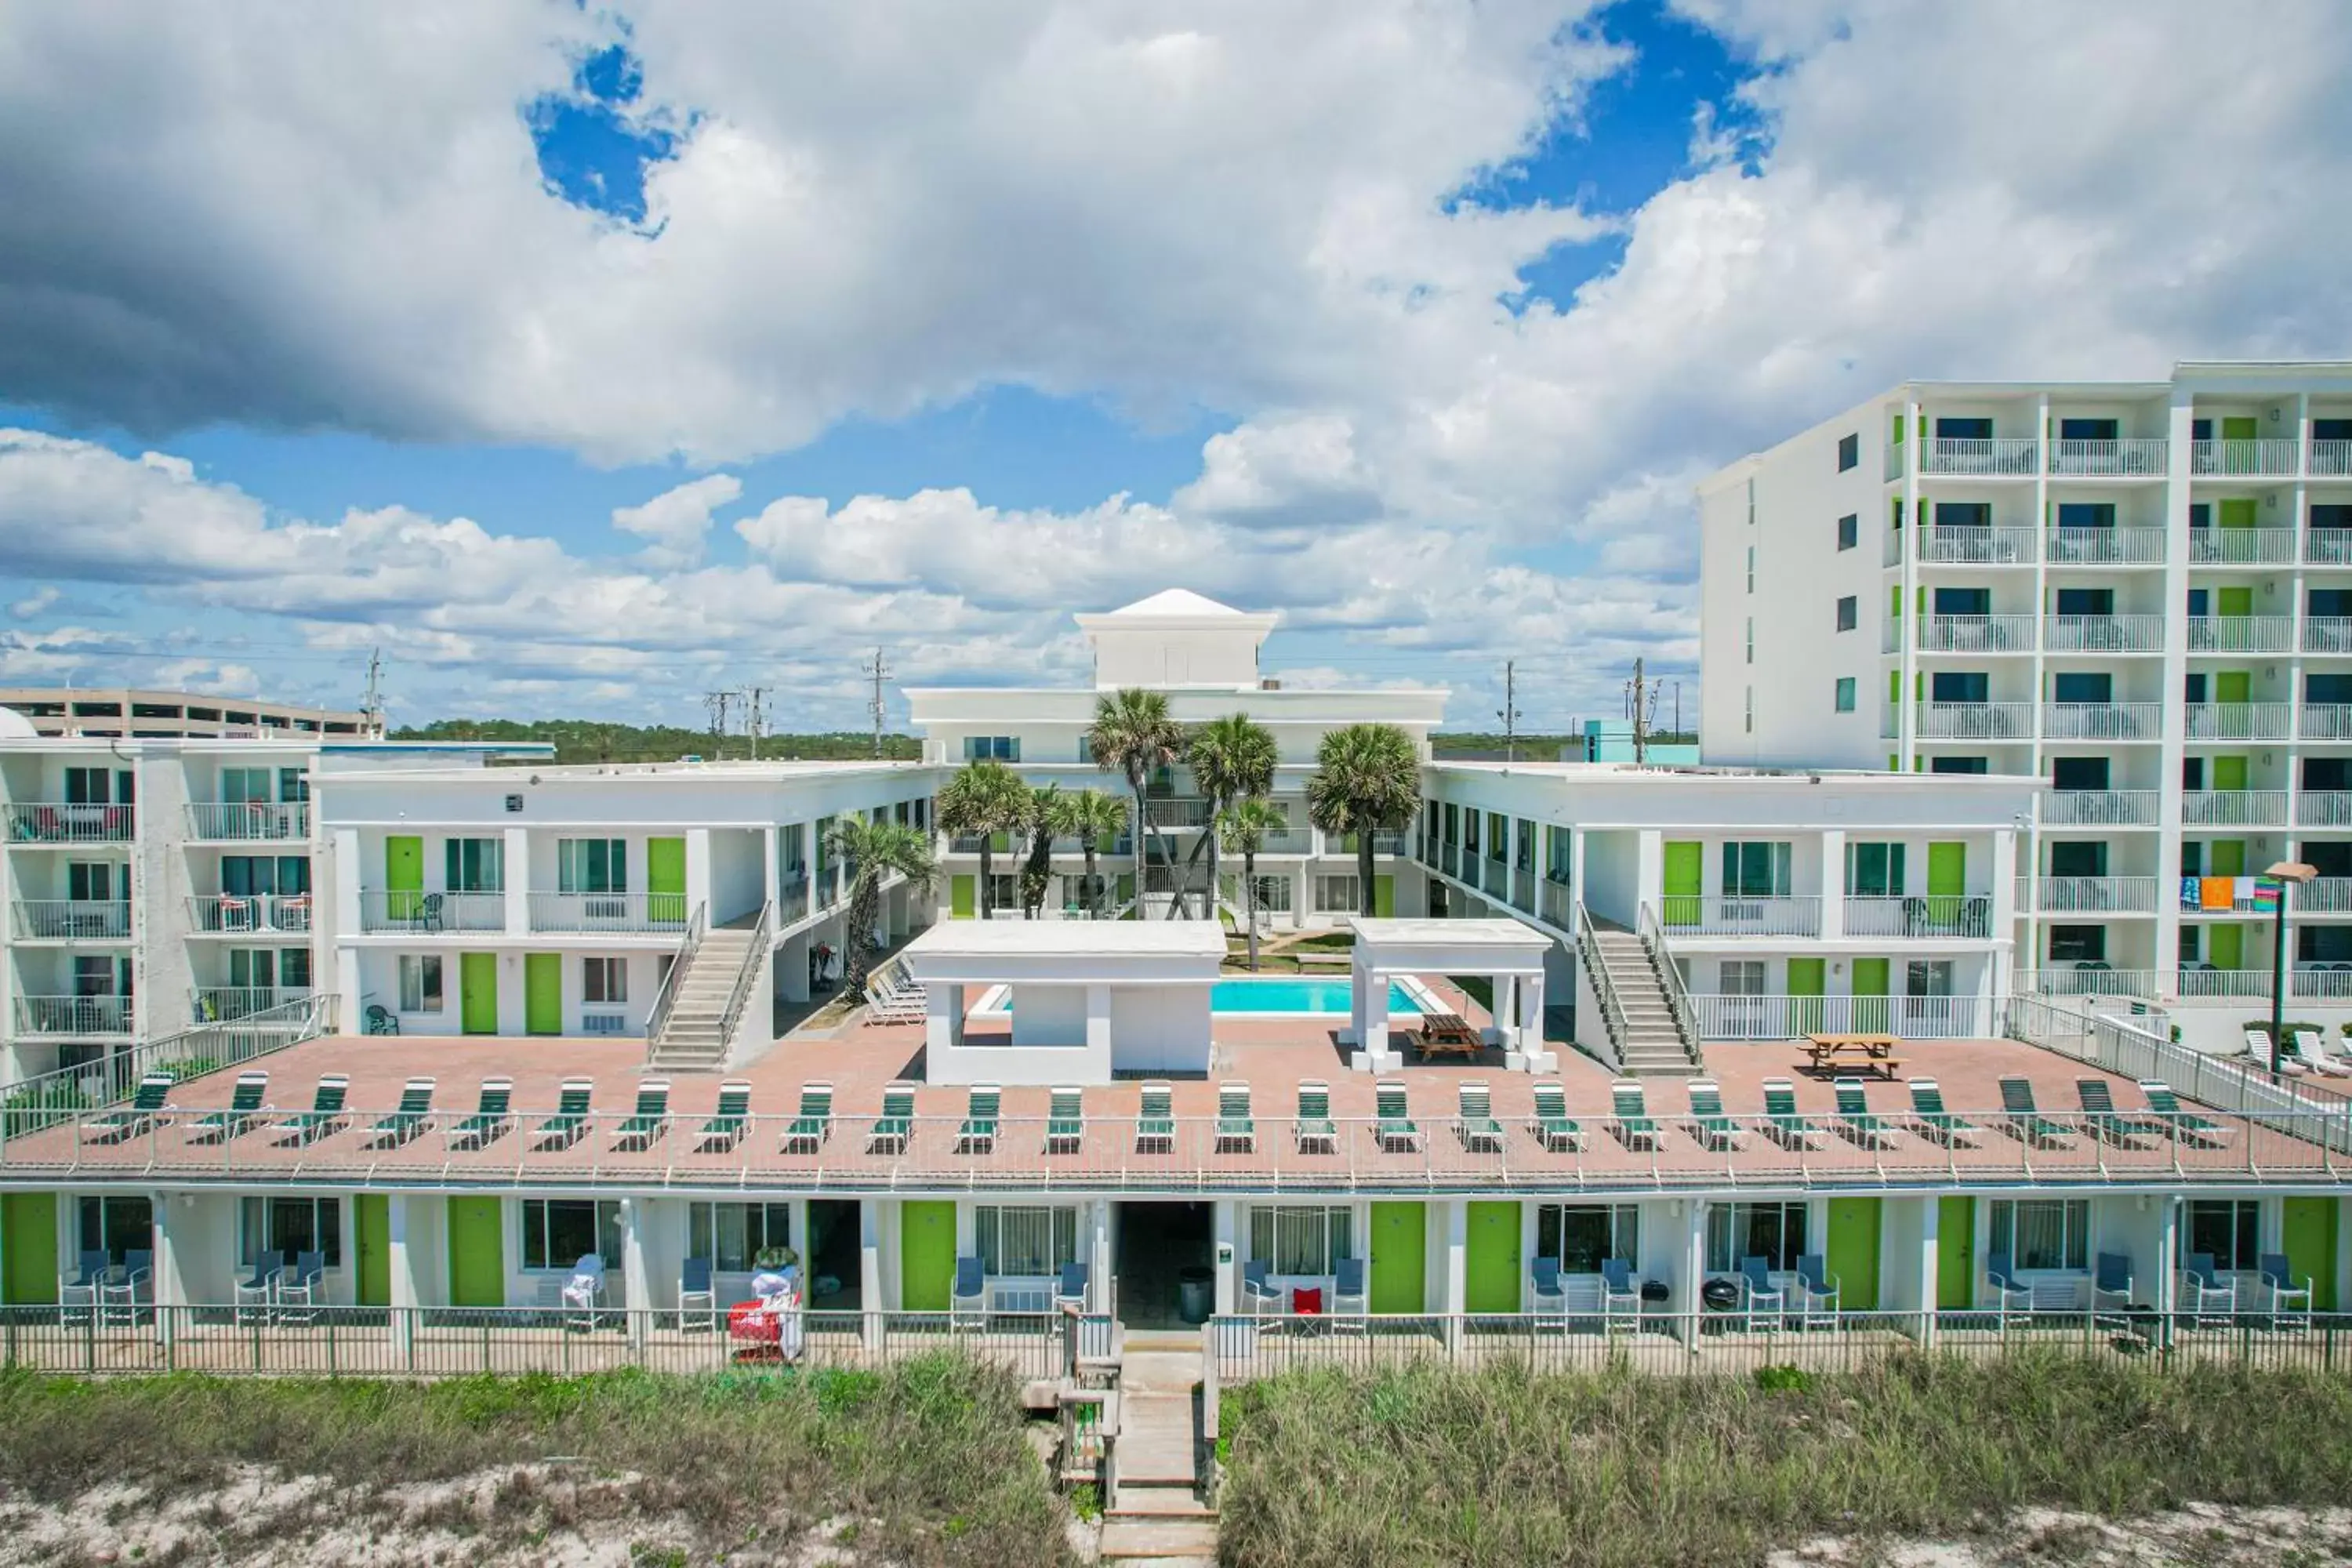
34 603
675 521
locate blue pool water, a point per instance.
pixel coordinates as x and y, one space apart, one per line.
1284 995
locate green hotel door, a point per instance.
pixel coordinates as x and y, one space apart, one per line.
404 876
2307 1231
372 1218
1383 897
1956 1254
478 1256
1490 1266
1948 871
963 895
28 1231
477 993
1852 1252
666 881
1400 1257
1686 865
542 993
927 1256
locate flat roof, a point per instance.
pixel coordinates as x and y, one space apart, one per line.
1374 933
1070 939
1706 773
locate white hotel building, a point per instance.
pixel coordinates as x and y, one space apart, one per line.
2138 594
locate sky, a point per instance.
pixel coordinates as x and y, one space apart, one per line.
585 359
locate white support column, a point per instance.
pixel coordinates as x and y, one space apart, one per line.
1099 1257
1931 1212
869 1270
771 874
636 1288
1832 884
2168 1264
1098 1028
698 870
1907 727
1532 1055
1456 1282
1225 1238
942 1021
517 856
401 1270
1686 1297
2002 927
1648 875
168 1290
1499 1017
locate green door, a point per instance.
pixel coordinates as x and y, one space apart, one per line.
477 1255
1956 1254
1490 1269
1870 977
1400 1257
2307 1231
477 993
1384 897
542 993
962 896
28 1231
1851 1252
2226 858
1806 981
404 876
2229 773
1686 865
2238 427
666 881
1948 871
372 1218
2234 686
2237 512
2234 601
927 1256
2225 946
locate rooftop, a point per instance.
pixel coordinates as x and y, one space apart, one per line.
1069 939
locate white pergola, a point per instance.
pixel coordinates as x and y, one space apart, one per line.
1510 953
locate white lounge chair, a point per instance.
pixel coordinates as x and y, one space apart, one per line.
2303 1047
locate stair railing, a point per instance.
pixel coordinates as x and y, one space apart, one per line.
753 957
665 998
1612 1011
1670 978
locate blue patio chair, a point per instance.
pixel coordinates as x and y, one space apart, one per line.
2203 1291
1258 1294
259 1291
2111 1283
78 1297
1071 1289
2009 1293
1350 1297
968 1299
1763 1297
1819 1290
302 1290
1545 1292
697 1297
1620 1294
2288 1303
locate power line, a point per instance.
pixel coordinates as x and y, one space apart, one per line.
874 707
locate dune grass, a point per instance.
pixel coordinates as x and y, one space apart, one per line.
1436 1465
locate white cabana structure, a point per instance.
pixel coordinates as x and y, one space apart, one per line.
1510 953
1079 1000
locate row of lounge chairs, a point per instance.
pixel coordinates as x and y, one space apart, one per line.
892 998
2304 1051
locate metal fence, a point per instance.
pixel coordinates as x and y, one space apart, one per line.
35 1103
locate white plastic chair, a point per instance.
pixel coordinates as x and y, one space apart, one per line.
698 1298
583 1293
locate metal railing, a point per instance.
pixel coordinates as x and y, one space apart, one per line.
1718 1017
56 822
1588 954
2000 454
2235 807
1973 634
2239 720
1956 545
665 998
2130 457
238 913
1187 812
71 920
2323 896
2100 807
2241 546
1975 721
1669 974
2104 634
2329 546
2330 457
1731 914
2206 981
2289 1107
2104 547
222 1004
2103 721
755 959
2322 808
35 1102
73 1014
2324 721
419 913
1924 916
2089 895
2240 634
618 913
247 819
792 899
2277 456
2099 982
1555 904
2327 634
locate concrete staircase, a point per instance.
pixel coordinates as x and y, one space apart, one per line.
693 1037
1158 1515
1653 1044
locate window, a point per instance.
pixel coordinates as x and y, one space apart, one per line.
1849 452
2085 602
93 786
1845 694
2042 1233
2083 686
293 785
1874 870
1748 714
1751 569
1970 429
559 1232
2230 1230
603 980
2089 857
115 1226
1004 748
2086 429
420 983
2078 772
2078 945
1032 1242
1849 613
1523 856
2331 429
1752 640
476 866
1299 1241
1003 890
1927 977
291 1226
1958 765
1849 530
244 786
1741 977
1585 1235
1963 600
97 881
1497 836
1755 869
2086 514
1774 1232
1959 686
1961 513
1335 895
243 875
1558 849
732 1235
591 865
2335 515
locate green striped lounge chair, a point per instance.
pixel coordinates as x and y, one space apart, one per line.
1708 1124
1630 1108
1392 1123
1932 1121
407 1119
1314 1129
2024 1118
146 1106
1155 1123
1553 1128
1236 1128
896 1125
1474 1121
1065 1119
245 1108
977 1135
1865 1128
325 1115
570 1122
493 1110
728 1121
1784 1123
649 1120
2110 1125
2186 1126
812 1123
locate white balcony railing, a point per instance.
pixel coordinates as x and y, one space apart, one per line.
1976 634
1731 1017
2097 980
2331 458
2324 721
220 1004
619 913
2103 721
2237 721
2328 547
1998 456
1554 906
72 919
243 820
2094 895
2233 808
2104 634
2241 546
1976 720
73 1014
2322 808
1730 914
1920 916
2327 634
2277 457
1965 546
2100 807
2133 457
2206 981
240 913
56 821
2104 547
2323 895
2240 634
425 913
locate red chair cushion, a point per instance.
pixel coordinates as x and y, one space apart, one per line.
750 1320
1307 1301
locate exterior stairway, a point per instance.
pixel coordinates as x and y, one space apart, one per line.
1653 1044
692 1038
1155 1514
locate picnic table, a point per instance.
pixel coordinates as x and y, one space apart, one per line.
1870 1053
1450 1034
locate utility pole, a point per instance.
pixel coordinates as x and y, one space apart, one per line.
1509 711
1641 719
874 708
371 705
717 703
756 716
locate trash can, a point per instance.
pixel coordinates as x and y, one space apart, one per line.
1196 1293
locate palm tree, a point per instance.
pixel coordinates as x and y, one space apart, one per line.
1093 816
1242 828
1135 733
1366 779
984 797
1048 819
1232 759
876 849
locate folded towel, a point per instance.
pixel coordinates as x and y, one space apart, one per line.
2216 892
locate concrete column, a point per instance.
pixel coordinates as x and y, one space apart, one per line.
636 1286
1649 874
1832 884
1225 1228
1098 1256
1455 1283
169 1290
792 968
869 1270
770 876
942 1020
698 870
1686 1299
348 875
1503 1015
1532 1053
402 1271
517 854
1931 1214
2002 916
2168 1265
1098 1025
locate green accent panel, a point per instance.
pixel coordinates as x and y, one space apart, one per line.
1851 1252
28 1231
542 993
2234 686
2225 946
666 879
1894 601
478 1254
372 1219
2307 1231
927 1256
1490 1264
2229 773
963 895
2226 858
403 875
1399 1254
1384 897
1684 870
2234 601
1947 869
2238 511
1805 977
477 993
2239 427
1894 690
1955 1253
1870 977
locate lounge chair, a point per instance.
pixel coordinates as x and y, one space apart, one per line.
892 998
1236 1131
1065 1119
325 1115
2111 1283
2303 1047
1708 1124
493 1113
146 1106
649 1120
1621 1295
1475 1124
1817 1291
2108 1124
1313 1130
2258 1047
1783 1122
977 1135
407 1120
2288 1303
1155 1123
570 1122
1259 1294
968 1295
1862 1126
1763 1298
2203 1292
1070 1289
728 1122
1546 1296
1932 1121
897 1123
2025 1122
244 1109
697 1297
1553 1128
1350 1297
1392 1126
1629 1110
2010 1294
812 1123
2186 1126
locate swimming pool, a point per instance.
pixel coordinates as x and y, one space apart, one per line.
1284 996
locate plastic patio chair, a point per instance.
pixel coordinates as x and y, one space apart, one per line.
1759 1296
728 1119
2009 1293
1865 1128
968 1295
1065 1119
1070 1289
1236 1128
896 1125
1394 1125
325 1115
1552 1126
1932 1121
1817 1291
2186 1126
1155 1124
245 1108
2110 1125
1783 1122
570 1122
406 1121
649 1120
2288 1303
697 1297
1313 1129
977 1135
491 1116
812 1123
2025 1120
1708 1123
146 1106
1474 1124
1629 1110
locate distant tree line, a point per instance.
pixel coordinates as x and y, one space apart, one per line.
600 740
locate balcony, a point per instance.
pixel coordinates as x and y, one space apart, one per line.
2326 721
1554 905
2331 459
2233 808
2104 547
56 821
1289 841
2102 720
2323 895
2240 634
1975 633
1961 546
792 898
238 913
2132 457
1729 915
2328 547
2090 895
2206 981
2102 634
219 1003
2241 546
2277 457
421 914
2327 634
244 821
2100 807
1720 1016
2087 980
71 920
1494 877
616 913
1999 457
2239 720
2322 808
1934 915
73 1014
1976 720
1188 812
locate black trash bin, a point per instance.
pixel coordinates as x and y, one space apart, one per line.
1196 1293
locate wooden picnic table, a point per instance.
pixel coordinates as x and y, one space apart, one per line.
1450 1034
1871 1053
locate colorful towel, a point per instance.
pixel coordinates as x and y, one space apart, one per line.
2216 892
